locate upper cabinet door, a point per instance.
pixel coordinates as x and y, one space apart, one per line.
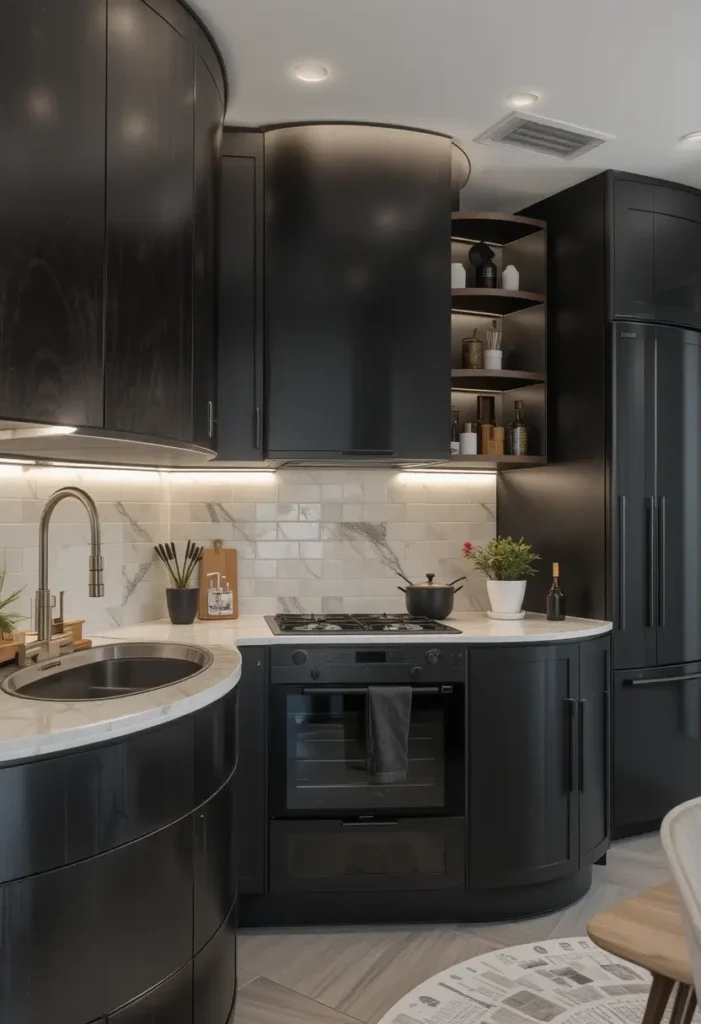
52 172
633 251
677 228
357 292
150 125
678 495
209 111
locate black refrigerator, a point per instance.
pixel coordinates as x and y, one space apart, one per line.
619 504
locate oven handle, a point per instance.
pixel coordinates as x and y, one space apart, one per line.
328 691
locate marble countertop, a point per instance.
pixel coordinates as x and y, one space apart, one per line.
31 728
475 628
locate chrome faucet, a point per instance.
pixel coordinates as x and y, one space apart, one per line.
44 604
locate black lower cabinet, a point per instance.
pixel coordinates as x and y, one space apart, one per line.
167 1003
215 863
335 856
81 939
214 979
594 748
657 750
522 765
251 820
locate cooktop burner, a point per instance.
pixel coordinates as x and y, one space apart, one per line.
318 624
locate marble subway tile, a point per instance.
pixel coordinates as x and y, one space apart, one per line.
277 513
298 531
300 568
278 549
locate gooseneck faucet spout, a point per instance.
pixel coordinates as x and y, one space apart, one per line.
95 585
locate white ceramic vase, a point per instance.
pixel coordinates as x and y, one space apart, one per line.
492 358
506 598
510 278
458 275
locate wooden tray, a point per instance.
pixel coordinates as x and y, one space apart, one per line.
224 561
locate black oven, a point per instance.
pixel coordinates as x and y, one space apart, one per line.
318 742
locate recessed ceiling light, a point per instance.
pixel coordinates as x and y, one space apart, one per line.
522 99
311 71
692 137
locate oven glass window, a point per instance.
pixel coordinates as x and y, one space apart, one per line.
326 754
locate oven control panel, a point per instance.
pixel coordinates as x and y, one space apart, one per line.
399 663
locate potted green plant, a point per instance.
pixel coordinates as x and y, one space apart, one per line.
506 563
8 619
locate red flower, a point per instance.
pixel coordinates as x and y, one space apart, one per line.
467 548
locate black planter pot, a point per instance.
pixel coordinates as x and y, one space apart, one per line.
182 605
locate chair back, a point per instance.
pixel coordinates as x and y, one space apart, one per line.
681 840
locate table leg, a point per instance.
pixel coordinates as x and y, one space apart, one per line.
684 1005
657 1000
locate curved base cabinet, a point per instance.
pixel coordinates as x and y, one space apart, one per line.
118 901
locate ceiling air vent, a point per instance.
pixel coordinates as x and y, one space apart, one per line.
541 135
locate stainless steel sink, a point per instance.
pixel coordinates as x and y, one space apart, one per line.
115 670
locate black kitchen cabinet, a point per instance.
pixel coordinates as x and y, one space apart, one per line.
251 819
207 142
633 264
657 753
214 976
215 862
148 329
594 721
167 1003
52 197
523 765
357 292
241 298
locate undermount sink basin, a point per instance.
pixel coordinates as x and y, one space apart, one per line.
102 673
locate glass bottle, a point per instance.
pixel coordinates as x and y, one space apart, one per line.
555 608
517 434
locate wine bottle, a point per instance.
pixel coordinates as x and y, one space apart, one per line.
556 599
517 434
454 431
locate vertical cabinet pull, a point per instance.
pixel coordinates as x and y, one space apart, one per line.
572 713
651 597
210 419
256 429
622 562
582 709
662 561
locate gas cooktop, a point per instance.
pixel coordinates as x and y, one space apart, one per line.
312 625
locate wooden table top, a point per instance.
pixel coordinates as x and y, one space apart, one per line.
647 930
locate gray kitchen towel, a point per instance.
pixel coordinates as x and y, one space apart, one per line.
388 717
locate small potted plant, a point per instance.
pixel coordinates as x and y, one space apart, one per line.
506 563
181 597
8 619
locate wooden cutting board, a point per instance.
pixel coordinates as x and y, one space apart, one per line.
224 561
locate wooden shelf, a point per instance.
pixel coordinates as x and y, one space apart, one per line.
495 380
493 301
493 228
494 461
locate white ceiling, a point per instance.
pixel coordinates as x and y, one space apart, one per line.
630 68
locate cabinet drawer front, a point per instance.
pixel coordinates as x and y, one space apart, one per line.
329 856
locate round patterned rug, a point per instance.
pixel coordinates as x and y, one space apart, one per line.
570 981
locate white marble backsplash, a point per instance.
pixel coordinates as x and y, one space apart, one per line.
316 540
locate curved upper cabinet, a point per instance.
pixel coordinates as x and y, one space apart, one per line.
111 113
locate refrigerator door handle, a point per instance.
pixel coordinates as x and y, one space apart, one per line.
651 596
662 561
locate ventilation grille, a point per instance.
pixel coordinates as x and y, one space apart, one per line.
540 135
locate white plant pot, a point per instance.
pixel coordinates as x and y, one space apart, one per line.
506 598
492 361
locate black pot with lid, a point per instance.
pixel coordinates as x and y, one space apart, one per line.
430 600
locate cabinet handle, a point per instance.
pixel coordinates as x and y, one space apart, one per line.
651 563
370 452
572 712
660 679
367 824
662 561
582 707
210 419
256 429
621 562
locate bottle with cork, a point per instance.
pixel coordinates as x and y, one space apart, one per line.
555 609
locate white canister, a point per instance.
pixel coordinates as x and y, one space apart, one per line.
468 441
492 358
458 275
510 278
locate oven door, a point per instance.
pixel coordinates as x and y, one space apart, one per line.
318 755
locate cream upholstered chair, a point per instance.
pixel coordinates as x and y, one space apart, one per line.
681 839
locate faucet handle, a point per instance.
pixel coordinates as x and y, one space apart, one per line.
96 586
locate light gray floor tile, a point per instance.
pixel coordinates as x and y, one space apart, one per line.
264 1002
573 921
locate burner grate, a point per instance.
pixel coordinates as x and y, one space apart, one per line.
360 623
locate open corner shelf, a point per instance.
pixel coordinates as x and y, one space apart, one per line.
493 228
495 461
494 380
493 301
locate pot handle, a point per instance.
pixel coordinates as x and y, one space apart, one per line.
403 577
458 589
457 581
403 589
